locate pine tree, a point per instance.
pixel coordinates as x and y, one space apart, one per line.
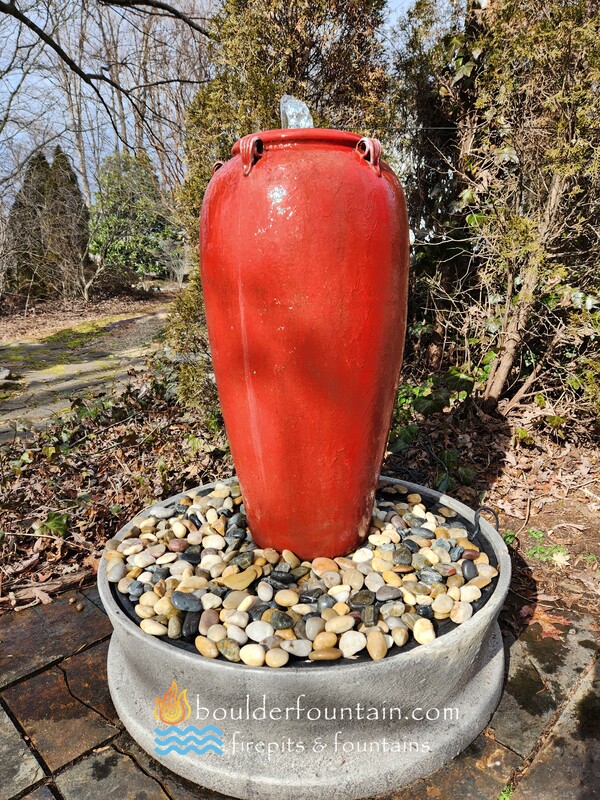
66 225
25 230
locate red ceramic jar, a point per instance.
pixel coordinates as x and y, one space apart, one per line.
304 265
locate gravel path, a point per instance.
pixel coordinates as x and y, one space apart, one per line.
70 363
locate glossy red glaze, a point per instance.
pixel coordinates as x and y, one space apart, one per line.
304 264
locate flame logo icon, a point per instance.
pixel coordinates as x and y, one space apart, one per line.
172 708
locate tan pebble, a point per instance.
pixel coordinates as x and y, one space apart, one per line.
253 655
353 578
179 529
168 558
442 604
468 594
446 512
341 608
379 565
234 598
247 603
376 645
290 558
480 581
428 553
320 565
286 633
482 558
164 606
206 647
340 624
326 654
271 555
486 570
437 589
414 498
174 627
286 597
392 578
400 636
276 657
408 597
454 592
240 580
461 612
423 631
324 639
153 627
455 580
149 599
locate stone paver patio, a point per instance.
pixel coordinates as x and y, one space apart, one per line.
60 736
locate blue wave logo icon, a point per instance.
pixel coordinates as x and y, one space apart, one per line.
188 740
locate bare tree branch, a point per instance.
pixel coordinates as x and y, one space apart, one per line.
158 5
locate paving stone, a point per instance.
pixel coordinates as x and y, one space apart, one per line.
19 768
108 775
38 636
478 773
92 594
60 727
561 661
527 705
568 765
43 793
177 788
87 679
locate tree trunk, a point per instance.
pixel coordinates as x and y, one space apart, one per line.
512 337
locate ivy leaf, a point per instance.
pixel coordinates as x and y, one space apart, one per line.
56 523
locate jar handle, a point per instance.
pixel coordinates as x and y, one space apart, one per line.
251 149
370 150
217 165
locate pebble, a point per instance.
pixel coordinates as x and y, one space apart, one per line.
264 591
423 631
259 630
469 594
443 604
326 654
153 627
276 658
206 647
280 620
253 655
352 642
376 645
184 601
229 648
314 626
340 624
469 570
174 628
300 648
286 597
117 572
461 612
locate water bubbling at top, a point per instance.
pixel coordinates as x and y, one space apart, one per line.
294 113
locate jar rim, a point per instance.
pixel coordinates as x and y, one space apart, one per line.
281 136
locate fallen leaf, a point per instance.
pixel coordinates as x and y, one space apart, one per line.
42 596
93 563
